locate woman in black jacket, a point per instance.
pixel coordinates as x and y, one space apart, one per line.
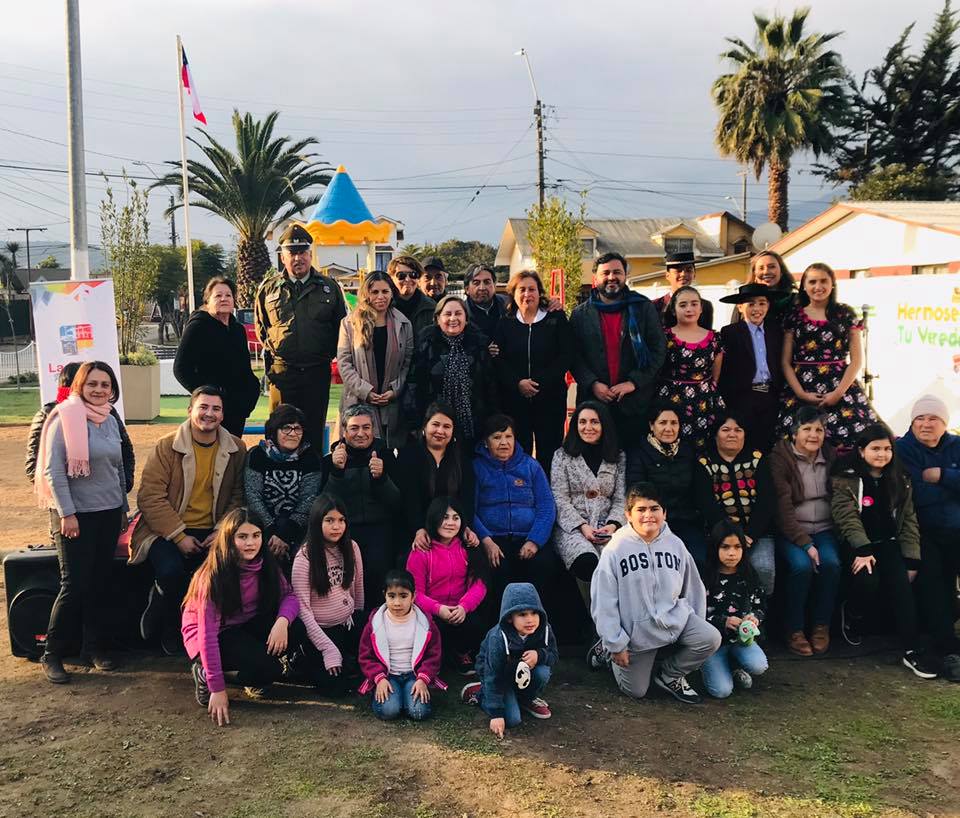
214 350
451 363
535 349
670 463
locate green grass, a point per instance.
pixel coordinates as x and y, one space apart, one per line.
20 407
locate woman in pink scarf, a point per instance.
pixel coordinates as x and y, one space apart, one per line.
80 478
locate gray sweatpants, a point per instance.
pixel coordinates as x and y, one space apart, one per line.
698 641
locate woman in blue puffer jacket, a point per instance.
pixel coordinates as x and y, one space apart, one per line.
515 510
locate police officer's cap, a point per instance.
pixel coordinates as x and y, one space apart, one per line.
295 237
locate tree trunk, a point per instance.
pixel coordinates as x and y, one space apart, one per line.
253 260
778 177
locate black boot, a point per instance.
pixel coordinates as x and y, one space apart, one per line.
53 668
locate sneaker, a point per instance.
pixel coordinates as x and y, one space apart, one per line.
152 617
598 657
470 694
951 667
678 688
742 679
849 626
103 661
537 708
171 642
53 669
916 662
201 691
464 663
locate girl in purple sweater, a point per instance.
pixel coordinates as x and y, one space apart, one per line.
451 583
236 615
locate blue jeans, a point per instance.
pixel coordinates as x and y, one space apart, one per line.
800 576
400 700
539 677
764 562
717 671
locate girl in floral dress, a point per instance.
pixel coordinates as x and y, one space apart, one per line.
818 336
688 380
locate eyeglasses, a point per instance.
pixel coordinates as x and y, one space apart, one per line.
297 249
292 429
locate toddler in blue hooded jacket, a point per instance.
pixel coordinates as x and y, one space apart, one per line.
514 661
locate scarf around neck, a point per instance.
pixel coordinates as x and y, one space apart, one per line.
278 455
668 450
74 414
457 385
630 301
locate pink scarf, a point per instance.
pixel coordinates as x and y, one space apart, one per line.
73 414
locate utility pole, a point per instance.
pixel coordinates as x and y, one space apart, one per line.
27 231
173 224
76 167
743 195
538 118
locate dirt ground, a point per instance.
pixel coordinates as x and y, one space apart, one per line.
840 736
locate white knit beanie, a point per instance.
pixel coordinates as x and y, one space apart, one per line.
930 405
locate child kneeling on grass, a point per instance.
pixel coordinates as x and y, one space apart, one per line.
236 615
400 653
734 597
646 595
514 661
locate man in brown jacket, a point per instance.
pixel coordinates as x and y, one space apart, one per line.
190 481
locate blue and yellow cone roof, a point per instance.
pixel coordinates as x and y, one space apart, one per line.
342 217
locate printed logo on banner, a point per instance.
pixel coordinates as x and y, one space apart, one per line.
75 337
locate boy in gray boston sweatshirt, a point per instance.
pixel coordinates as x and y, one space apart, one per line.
646 595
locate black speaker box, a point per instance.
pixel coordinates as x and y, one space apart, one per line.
32 580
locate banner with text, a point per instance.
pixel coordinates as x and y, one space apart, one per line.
75 321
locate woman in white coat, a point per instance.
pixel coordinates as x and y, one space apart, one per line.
587 478
373 354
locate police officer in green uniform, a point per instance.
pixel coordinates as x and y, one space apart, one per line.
298 313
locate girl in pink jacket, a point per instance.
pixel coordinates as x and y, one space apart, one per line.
236 615
450 582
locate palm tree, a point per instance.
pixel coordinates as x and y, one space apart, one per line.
786 94
263 182
13 247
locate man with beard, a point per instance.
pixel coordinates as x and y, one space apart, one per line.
619 347
681 272
417 308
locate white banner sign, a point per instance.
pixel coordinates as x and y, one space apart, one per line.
75 321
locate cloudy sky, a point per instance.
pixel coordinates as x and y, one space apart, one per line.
423 101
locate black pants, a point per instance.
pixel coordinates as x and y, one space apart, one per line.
541 420
584 566
234 423
243 648
888 583
540 570
937 584
759 411
347 641
307 388
85 564
377 551
173 571
465 637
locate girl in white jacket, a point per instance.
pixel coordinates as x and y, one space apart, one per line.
646 594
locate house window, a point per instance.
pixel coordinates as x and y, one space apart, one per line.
588 248
741 246
677 246
860 273
383 259
931 269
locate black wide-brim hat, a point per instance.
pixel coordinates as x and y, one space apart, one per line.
747 292
679 259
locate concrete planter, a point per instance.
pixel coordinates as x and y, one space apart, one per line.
140 389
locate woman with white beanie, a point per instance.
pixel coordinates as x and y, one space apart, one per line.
931 456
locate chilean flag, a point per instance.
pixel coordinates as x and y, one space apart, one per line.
187 80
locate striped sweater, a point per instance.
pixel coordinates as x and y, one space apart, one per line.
336 607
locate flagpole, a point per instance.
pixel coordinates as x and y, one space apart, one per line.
186 186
